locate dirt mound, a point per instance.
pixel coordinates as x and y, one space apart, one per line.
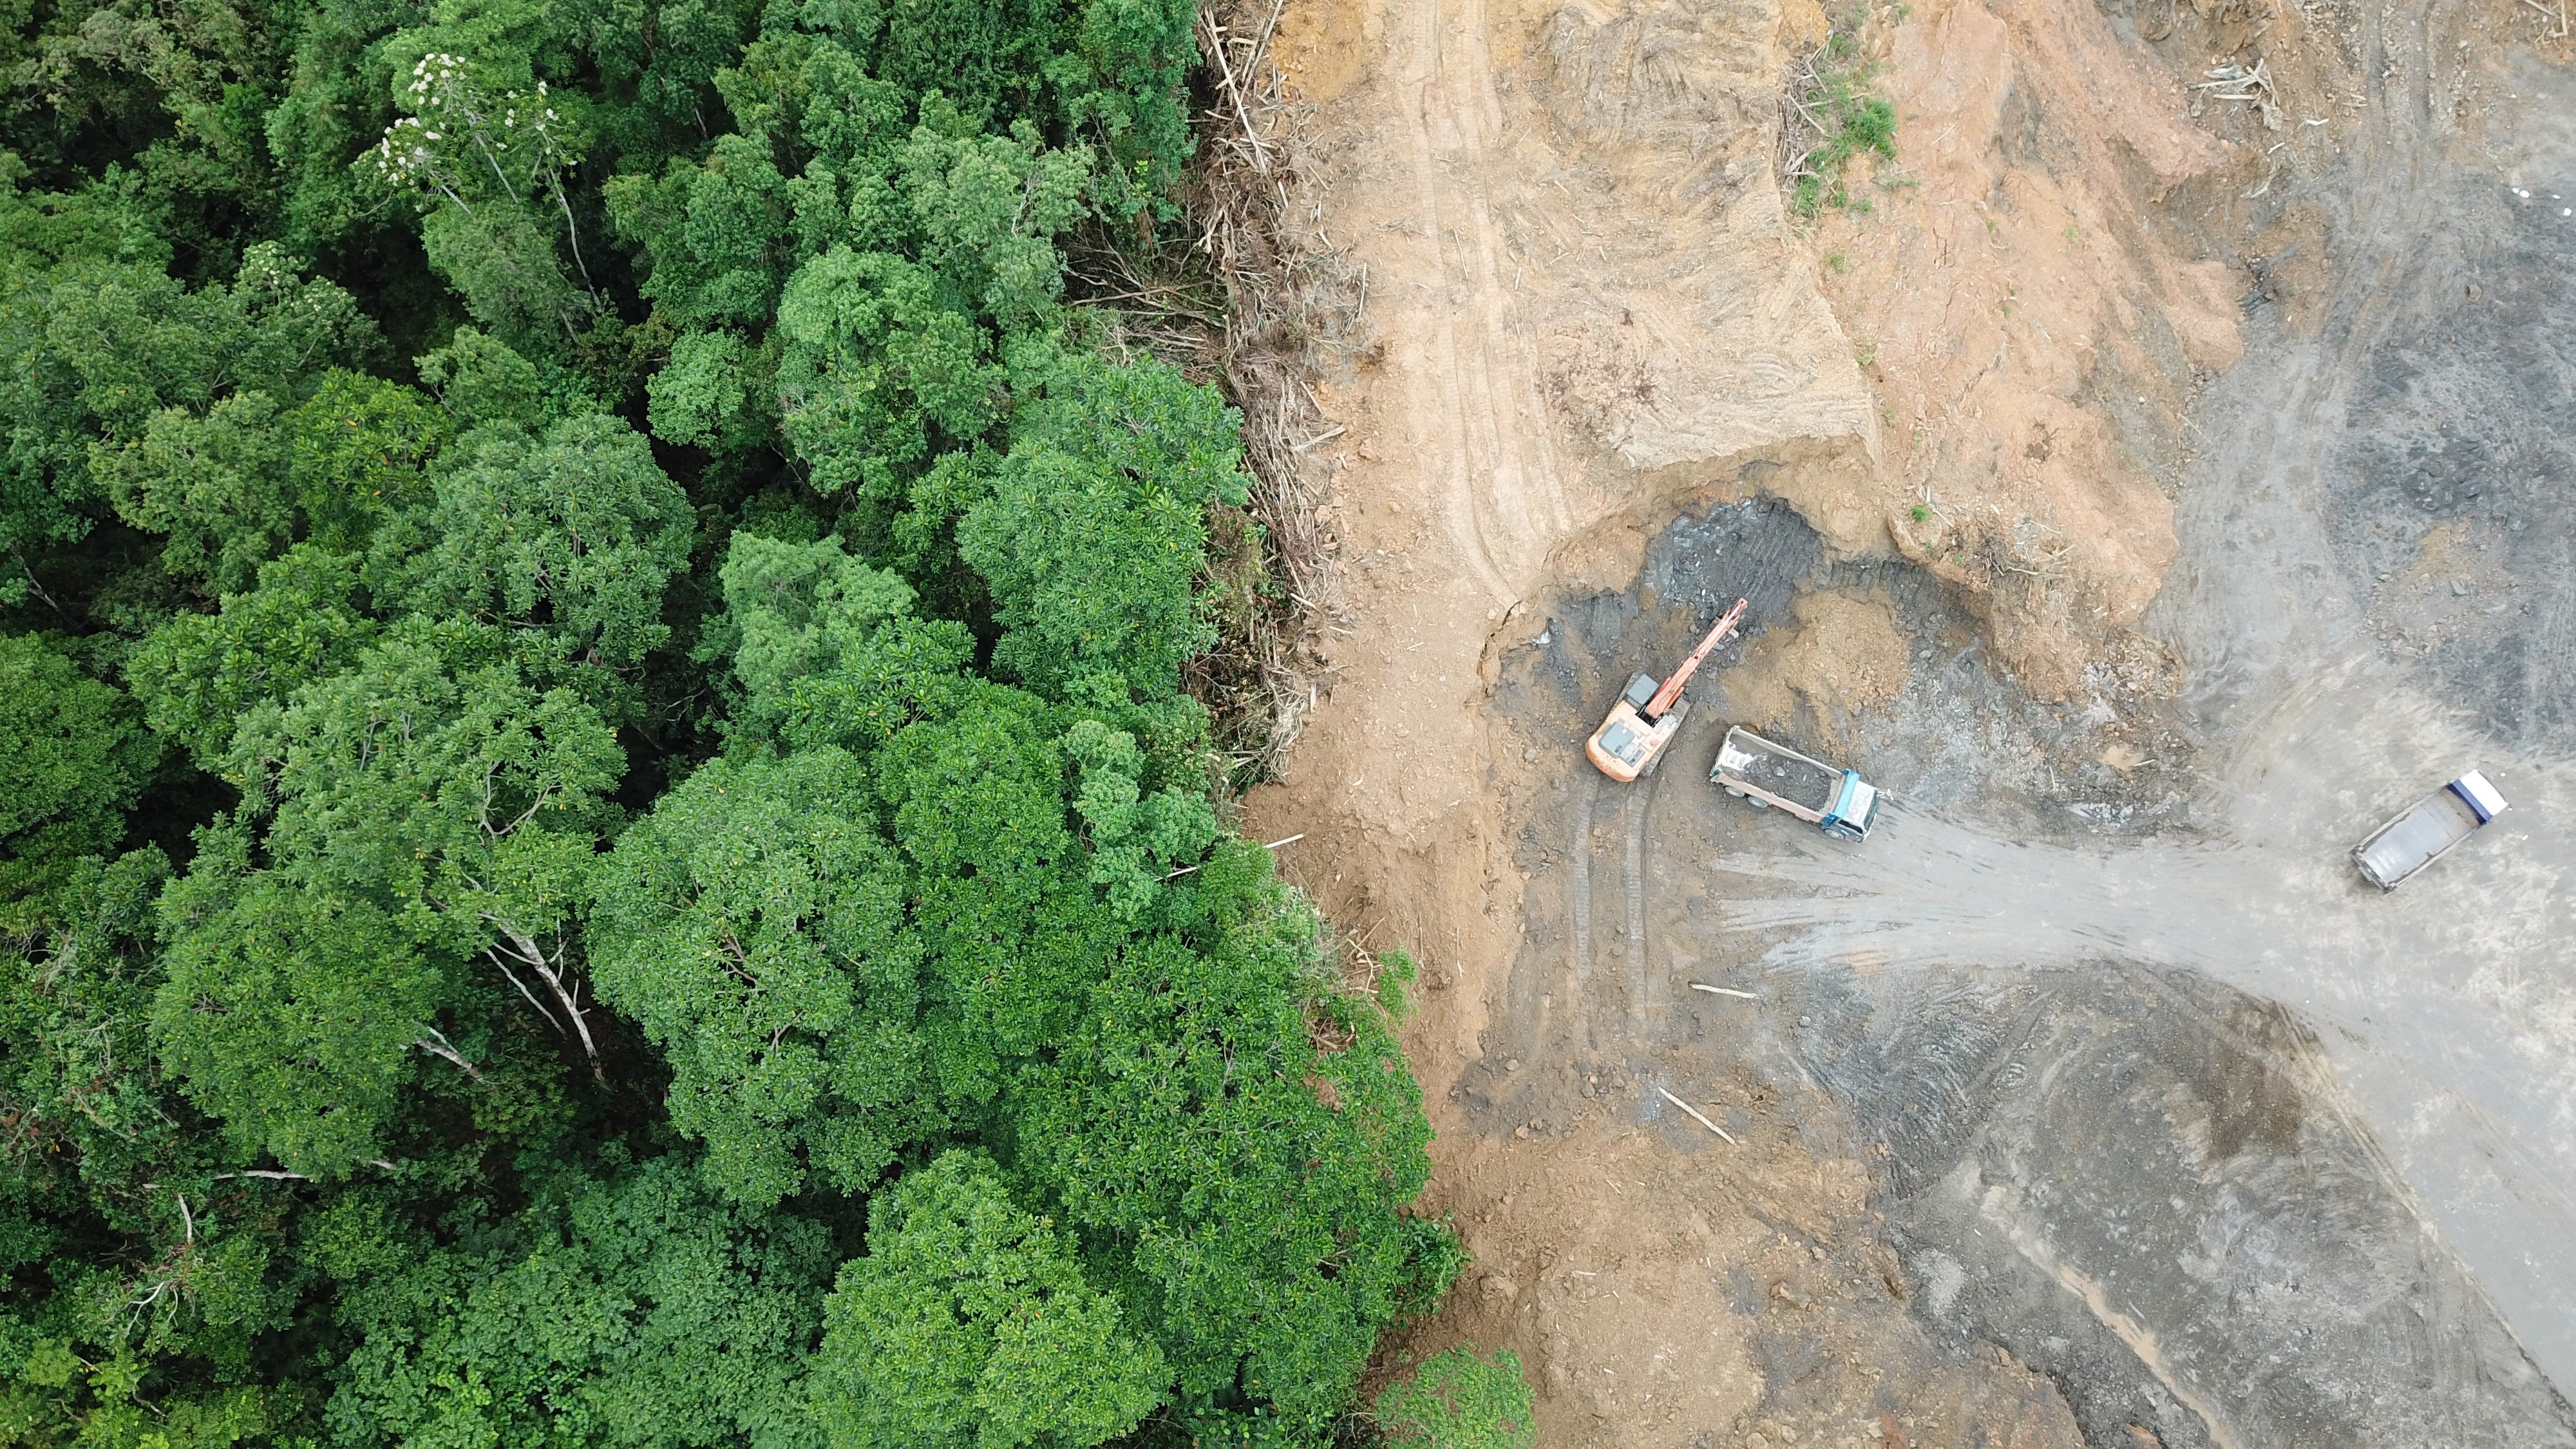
2036 323
1841 655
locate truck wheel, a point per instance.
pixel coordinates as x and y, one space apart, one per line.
1731 790
1759 804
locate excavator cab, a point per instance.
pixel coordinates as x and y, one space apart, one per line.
1649 714
1627 743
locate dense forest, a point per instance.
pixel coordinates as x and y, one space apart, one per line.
601 833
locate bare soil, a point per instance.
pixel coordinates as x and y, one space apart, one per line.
2152 489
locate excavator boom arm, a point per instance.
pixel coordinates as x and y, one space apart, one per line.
1667 696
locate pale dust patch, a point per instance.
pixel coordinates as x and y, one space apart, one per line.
1323 49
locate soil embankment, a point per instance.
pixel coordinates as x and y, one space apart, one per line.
2034 1137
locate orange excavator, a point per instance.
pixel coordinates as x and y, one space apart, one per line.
1648 715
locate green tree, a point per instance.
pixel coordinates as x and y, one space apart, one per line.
290 1014
71 761
753 926
875 367
97 350
417 809
970 1323
1259 1177
637 1310
795 611
197 674
214 486
1456 1400
490 162
360 450
576 530
1096 529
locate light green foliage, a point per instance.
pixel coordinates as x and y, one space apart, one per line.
1012 928
232 488
1854 122
1395 972
1136 839
715 231
1456 1400
872 359
799 610
970 1323
290 1014
706 395
360 450
1097 524
433 747
576 530
989 209
198 673
216 486
479 379
753 926
638 1311
71 761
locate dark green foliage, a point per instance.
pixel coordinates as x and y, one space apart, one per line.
633 1311
290 1014
122 386
407 801
199 673
514 499
1193 1115
71 760
575 529
753 926
1096 527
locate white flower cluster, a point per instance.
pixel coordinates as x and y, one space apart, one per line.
454 136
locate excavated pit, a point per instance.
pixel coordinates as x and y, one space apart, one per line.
2094 1099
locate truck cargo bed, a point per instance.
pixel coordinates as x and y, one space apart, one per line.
2417 838
1799 782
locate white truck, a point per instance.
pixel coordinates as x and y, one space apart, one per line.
2419 836
1750 767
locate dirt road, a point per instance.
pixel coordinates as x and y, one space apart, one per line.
2093 1100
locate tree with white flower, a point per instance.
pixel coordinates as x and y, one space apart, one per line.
472 148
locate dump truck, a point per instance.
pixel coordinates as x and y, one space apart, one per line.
2419 836
1768 773
1648 715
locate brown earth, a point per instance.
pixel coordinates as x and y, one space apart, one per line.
1589 310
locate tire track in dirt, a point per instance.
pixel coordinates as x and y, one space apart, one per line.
1477 408
1632 884
1579 882
2476 1143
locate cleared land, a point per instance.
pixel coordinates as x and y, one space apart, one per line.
2154 491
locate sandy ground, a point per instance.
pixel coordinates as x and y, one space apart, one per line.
2151 489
